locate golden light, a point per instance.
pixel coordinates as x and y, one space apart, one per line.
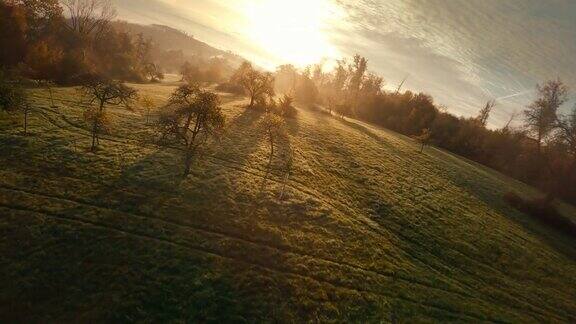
292 31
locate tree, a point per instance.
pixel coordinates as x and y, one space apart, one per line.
191 117
89 18
285 79
101 93
13 34
257 84
484 113
26 108
273 126
306 91
357 71
148 104
153 72
541 115
190 73
424 138
44 17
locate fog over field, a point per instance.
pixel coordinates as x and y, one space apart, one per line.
462 52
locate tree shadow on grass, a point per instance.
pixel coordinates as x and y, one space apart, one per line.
158 176
241 138
478 186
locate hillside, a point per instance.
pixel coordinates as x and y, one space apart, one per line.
364 228
170 39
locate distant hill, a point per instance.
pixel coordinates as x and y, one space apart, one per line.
174 40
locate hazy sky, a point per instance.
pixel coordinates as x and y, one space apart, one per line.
463 52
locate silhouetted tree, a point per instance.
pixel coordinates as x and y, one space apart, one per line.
89 18
191 117
101 93
541 115
484 113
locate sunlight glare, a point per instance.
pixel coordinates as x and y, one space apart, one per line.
292 31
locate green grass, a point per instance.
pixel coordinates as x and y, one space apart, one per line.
368 229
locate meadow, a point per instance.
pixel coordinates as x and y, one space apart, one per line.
348 223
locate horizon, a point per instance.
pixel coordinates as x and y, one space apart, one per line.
462 53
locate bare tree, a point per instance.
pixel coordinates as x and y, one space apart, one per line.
26 108
541 115
191 117
148 104
48 85
424 138
101 93
484 113
273 126
89 18
513 117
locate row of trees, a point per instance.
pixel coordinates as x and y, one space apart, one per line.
64 41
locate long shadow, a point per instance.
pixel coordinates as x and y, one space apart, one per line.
557 240
241 138
160 173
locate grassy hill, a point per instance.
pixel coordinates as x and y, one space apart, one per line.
363 228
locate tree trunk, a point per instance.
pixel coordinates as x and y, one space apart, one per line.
94 134
271 139
251 101
51 98
422 148
187 164
26 121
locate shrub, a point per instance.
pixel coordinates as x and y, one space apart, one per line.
285 107
543 211
12 95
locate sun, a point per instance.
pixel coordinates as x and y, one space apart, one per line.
294 32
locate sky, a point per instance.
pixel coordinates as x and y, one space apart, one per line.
463 52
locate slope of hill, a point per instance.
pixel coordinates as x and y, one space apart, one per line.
362 228
170 39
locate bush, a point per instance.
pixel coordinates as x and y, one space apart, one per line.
543 211
12 95
285 107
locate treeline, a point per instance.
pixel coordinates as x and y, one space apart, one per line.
39 42
70 41
542 152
